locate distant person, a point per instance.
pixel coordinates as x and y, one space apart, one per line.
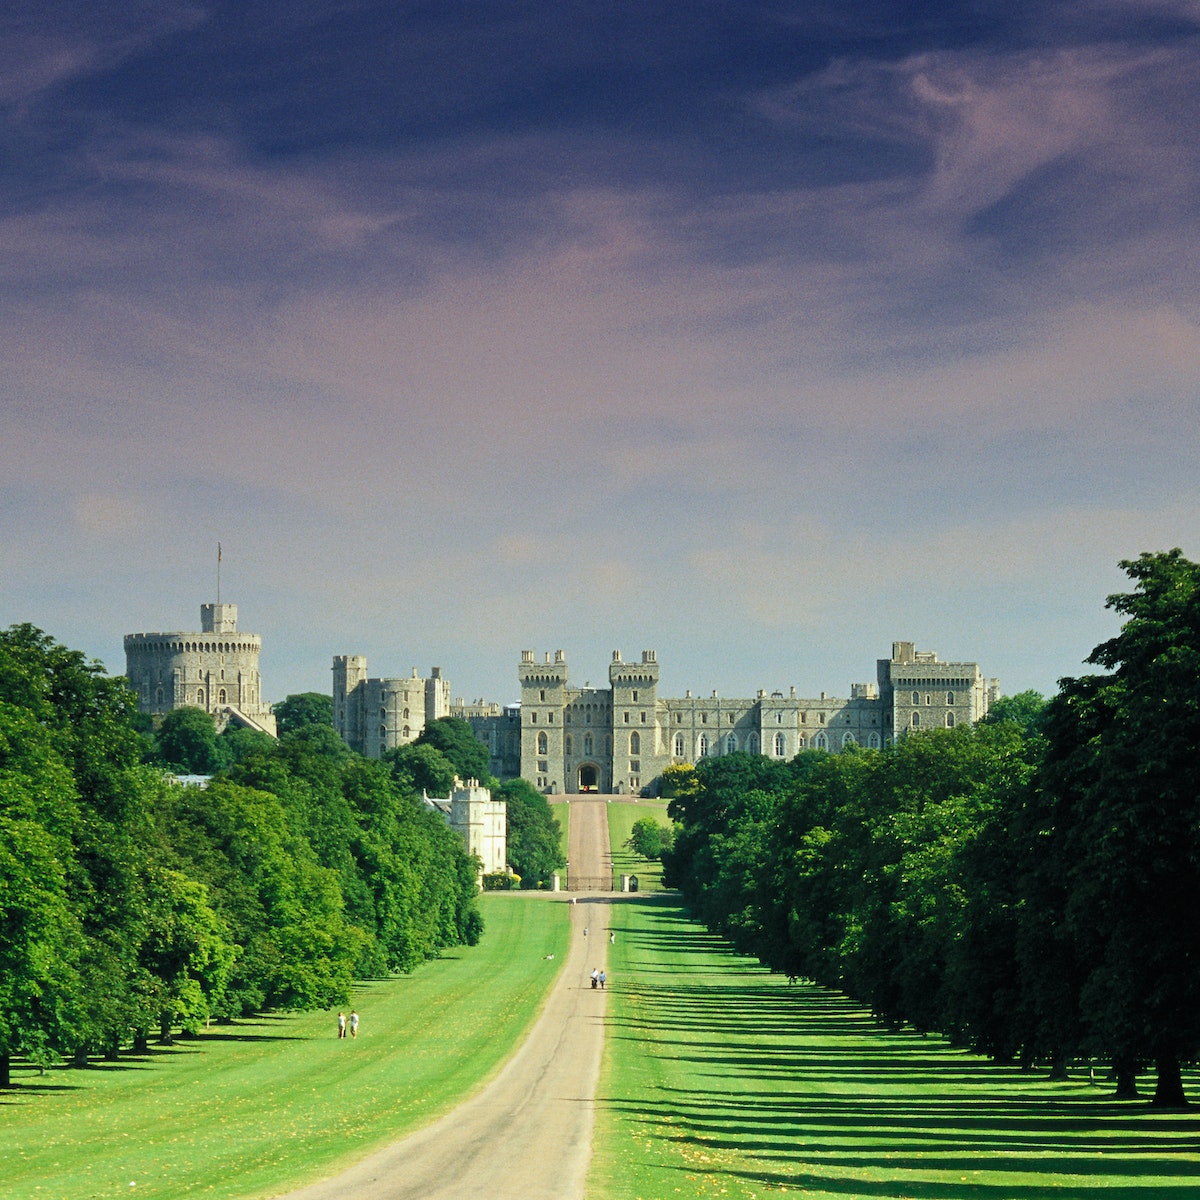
353 1024
595 977
585 931
612 938
603 977
341 1025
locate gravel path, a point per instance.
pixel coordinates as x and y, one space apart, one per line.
528 1134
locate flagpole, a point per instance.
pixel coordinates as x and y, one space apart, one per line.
218 573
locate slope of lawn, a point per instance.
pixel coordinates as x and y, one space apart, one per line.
562 811
621 816
251 1108
721 1079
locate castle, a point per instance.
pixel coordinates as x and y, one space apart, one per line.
215 669
618 739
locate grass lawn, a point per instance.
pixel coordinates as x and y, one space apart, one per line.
721 1079
562 811
621 816
247 1109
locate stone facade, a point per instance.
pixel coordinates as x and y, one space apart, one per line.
375 715
215 669
618 739
481 821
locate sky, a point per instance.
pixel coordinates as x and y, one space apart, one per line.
761 334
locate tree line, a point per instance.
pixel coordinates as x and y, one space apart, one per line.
132 906
1027 886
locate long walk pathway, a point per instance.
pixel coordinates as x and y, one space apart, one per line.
528 1134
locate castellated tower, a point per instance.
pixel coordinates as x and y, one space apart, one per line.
543 704
215 669
373 716
637 754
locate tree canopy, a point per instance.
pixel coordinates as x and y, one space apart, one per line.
130 903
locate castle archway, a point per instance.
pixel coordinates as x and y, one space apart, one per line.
589 777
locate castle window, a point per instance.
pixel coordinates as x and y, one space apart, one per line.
821 718
916 697
406 714
873 741
636 768
702 746
635 743
704 718
731 744
542 744
949 720
544 765
679 745
587 745
567 717
533 718
779 718
635 695
550 718
383 731
731 718
780 749
821 742
200 697
949 697
804 718
928 698
916 720
383 714
848 739
221 697
568 743
542 694
679 718
626 718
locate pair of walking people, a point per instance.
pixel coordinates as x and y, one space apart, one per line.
598 977
351 1024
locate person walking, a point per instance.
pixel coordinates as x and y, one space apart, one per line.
602 979
595 977
612 937
341 1025
353 1024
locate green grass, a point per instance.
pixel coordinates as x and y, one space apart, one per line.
562 810
621 817
720 1079
246 1109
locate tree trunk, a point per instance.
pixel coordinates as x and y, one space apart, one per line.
1058 1068
80 1058
141 1041
1168 1092
164 1030
5 1070
1125 1071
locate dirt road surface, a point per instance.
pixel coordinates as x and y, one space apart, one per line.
528 1134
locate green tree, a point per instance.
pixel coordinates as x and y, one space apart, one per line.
650 838
1124 768
188 742
296 711
456 740
421 769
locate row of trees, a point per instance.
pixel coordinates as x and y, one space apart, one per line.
131 904
1028 886
446 750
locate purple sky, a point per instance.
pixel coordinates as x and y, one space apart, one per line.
760 334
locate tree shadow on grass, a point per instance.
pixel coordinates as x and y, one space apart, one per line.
795 1086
